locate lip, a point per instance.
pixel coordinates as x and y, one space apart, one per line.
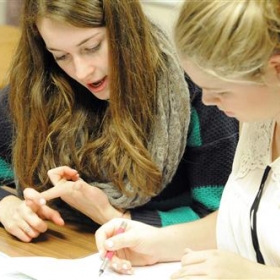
100 88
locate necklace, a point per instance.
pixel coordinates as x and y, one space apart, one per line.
253 217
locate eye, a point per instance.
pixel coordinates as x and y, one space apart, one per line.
93 49
60 58
222 93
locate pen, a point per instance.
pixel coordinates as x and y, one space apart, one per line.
110 254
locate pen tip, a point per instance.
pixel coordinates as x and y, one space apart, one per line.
100 272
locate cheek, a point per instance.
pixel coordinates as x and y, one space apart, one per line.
68 69
254 106
104 58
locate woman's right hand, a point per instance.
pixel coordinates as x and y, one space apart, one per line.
137 246
26 220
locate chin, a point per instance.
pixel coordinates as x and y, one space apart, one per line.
105 98
101 96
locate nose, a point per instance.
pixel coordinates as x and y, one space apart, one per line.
83 68
209 99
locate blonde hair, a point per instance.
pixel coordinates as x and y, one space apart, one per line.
229 39
59 122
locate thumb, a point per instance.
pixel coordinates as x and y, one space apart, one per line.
126 239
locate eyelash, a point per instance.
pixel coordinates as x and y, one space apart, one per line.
89 50
95 48
60 58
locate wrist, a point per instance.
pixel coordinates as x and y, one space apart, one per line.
115 213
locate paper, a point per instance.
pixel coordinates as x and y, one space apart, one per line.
44 268
9 273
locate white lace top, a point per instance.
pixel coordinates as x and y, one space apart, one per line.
233 227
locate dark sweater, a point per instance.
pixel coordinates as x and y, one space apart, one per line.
197 186
6 173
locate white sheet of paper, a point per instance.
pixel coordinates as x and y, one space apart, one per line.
44 268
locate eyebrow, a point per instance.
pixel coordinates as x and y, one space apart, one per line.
207 88
78 45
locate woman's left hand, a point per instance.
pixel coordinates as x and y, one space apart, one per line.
88 199
219 264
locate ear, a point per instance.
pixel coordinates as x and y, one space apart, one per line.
274 62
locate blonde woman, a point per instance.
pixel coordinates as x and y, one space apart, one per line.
231 50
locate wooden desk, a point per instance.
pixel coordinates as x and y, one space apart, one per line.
68 242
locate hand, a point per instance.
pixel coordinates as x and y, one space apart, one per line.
88 199
219 264
26 221
136 246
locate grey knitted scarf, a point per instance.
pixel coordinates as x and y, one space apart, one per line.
170 132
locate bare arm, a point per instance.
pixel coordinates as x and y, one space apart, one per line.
197 235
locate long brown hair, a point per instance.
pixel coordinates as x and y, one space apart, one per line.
59 122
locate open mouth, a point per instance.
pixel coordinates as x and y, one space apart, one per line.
98 86
98 83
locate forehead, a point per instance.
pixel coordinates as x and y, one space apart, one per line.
57 34
200 77
211 82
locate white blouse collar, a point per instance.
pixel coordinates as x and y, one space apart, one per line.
254 148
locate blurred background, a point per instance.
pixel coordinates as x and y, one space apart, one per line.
162 11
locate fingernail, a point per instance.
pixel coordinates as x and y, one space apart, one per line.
115 266
42 201
110 243
127 269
